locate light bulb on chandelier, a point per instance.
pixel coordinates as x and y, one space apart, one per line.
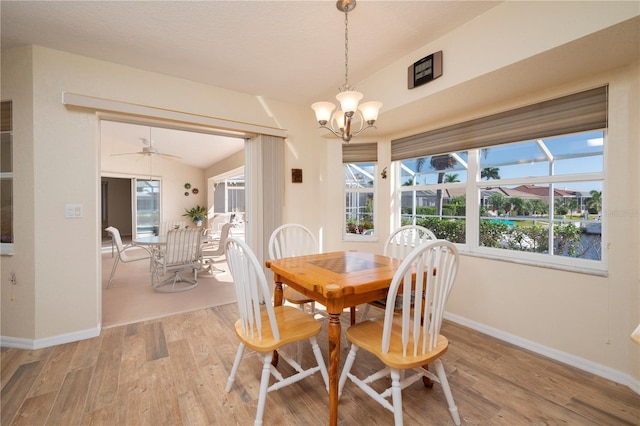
340 122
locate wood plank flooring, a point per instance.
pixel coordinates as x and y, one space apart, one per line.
173 370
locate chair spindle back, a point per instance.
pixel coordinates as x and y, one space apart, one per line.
430 269
290 240
405 238
250 283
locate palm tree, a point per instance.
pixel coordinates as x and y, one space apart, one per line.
451 177
518 205
441 163
594 203
497 201
490 173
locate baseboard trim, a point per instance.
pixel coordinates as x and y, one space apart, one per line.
30 344
564 357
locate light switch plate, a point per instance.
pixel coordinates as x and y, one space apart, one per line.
73 211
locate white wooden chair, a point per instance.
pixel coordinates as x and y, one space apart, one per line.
403 342
400 243
125 254
213 251
264 328
290 240
181 252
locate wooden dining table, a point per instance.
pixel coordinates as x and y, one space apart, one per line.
337 280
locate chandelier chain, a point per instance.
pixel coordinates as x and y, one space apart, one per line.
346 50
340 122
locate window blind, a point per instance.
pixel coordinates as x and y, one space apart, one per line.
569 114
360 153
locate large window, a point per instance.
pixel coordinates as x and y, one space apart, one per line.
537 199
359 164
545 196
6 179
432 193
147 206
359 181
229 195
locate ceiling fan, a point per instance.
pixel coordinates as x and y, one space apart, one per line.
149 150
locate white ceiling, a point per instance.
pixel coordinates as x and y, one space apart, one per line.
246 46
293 51
196 149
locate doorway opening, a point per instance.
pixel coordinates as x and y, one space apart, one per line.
150 173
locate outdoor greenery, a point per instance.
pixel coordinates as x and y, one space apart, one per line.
503 234
362 221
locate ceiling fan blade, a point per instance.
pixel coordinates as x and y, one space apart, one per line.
169 156
129 153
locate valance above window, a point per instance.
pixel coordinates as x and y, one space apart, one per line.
569 114
360 153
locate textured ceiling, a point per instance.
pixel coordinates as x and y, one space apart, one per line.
291 51
287 50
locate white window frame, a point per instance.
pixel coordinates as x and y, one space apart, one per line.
8 248
348 236
473 186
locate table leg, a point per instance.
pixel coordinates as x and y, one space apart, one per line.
277 301
278 295
334 361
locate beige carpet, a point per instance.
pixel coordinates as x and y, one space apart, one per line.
132 299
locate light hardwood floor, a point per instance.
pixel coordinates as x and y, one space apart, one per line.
173 370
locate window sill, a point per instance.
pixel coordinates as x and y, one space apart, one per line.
575 267
359 238
6 249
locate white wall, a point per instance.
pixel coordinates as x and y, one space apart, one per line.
585 319
58 162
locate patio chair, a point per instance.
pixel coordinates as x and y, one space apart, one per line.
165 227
400 243
181 252
264 328
125 252
404 343
213 251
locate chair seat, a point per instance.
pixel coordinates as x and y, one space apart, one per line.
294 325
368 335
295 296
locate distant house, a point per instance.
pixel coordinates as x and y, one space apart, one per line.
427 198
563 194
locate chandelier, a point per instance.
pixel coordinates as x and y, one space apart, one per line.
340 122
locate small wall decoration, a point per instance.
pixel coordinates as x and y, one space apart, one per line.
425 70
187 186
384 173
186 194
296 175
195 190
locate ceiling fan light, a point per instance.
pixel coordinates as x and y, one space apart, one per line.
323 111
349 100
370 111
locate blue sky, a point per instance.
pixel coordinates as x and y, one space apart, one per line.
578 153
